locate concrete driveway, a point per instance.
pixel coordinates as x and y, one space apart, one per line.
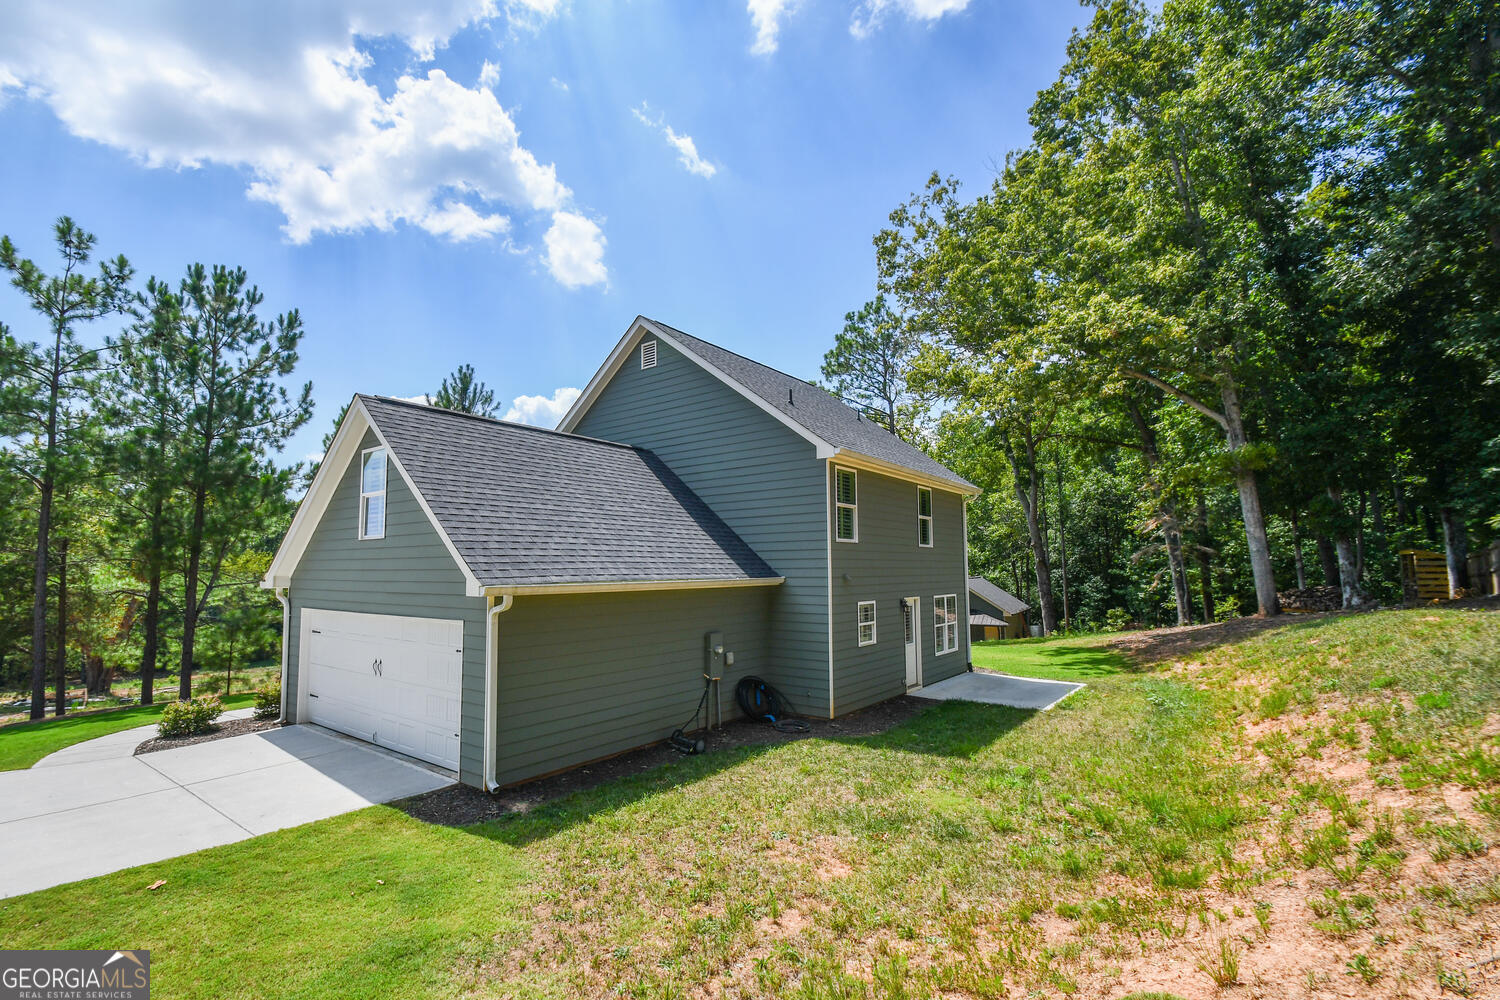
93 808
999 689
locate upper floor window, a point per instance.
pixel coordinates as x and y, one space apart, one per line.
372 493
924 516
648 354
846 495
945 622
867 623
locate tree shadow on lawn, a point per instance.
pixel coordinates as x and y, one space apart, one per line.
542 808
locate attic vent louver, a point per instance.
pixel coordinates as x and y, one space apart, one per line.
648 354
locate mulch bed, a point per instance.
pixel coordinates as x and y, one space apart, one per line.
224 730
463 805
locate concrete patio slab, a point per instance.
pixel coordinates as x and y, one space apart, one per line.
999 689
174 802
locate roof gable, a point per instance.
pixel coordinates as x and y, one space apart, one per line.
991 594
525 507
830 424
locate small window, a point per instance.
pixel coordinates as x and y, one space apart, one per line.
867 623
945 622
845 493
648 354
924 517
372 494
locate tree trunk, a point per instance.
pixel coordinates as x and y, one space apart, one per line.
1171 531
1353 595
39 605
1062 541
1205 563
1255 521
152 624
190 606
60 667
1328 558
1297 554
1456 548
1039 556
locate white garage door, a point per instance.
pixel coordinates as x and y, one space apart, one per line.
387 679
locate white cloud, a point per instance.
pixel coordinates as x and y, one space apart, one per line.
560 85
278 89
422 398
489 74
687 150
766 16
543 411
575 250
872 12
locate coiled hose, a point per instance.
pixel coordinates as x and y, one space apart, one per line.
759 700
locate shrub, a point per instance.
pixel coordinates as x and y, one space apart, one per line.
1116 619
189 718
268 702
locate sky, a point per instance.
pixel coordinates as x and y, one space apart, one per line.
508 183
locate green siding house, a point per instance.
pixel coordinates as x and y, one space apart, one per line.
508 601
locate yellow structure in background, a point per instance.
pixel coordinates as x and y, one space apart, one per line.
1424 575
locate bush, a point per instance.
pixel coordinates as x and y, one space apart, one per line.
268 702
1116 619
189 718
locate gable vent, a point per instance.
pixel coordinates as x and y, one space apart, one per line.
648 354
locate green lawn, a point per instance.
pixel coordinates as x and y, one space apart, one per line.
23 744
1081 659
1158 815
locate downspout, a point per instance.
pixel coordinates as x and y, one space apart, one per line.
286 624
968 638
491 667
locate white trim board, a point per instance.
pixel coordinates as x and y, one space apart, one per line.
345 445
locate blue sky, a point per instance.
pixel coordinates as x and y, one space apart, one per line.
509 184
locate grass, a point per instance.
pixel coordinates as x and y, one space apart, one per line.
976 850
23 744
1076 659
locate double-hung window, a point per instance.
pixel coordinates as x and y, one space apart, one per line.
846 519
924 517
867 623
372 493
945 622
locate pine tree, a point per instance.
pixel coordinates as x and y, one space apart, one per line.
235 412
462 392
49 389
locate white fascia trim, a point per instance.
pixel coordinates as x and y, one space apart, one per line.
828 487
286 623
968 641
856 460
623 350
624 586
320 494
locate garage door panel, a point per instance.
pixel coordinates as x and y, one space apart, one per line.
388 679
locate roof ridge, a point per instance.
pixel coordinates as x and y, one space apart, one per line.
859 408
433 408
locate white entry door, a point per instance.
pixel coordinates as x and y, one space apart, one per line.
391 680
909 619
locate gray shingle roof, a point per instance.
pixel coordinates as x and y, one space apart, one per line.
526 506
1001 599
818 410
